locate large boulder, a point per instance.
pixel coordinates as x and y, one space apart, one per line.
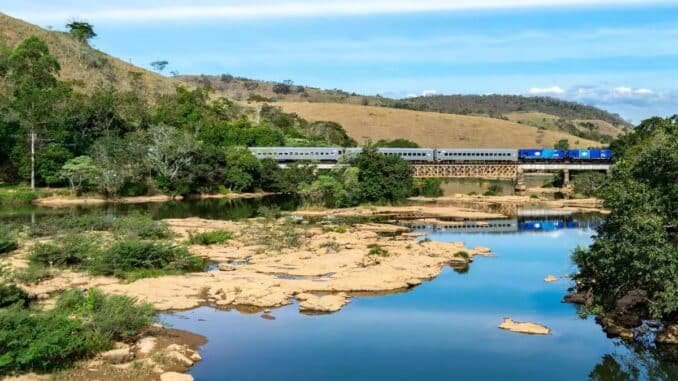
668 335
117 356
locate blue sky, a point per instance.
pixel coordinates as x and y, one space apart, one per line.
619 55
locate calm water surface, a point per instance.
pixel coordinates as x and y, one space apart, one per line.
445 329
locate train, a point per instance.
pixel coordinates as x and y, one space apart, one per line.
437 155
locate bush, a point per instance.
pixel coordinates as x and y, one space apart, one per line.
377 250
427 187
80 325
43 341
32 274
383 178
139 259
209 238
117 318
589 183
8 244
493 190
17 195
70 251
141 226
10 294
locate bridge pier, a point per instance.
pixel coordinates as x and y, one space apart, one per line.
566 177
520 186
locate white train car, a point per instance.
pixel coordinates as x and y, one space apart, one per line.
285 154
461 155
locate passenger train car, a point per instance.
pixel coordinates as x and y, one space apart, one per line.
439 155
443 155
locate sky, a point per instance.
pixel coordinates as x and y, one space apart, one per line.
620 55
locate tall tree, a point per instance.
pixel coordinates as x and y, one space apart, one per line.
159 65
82 31
31 75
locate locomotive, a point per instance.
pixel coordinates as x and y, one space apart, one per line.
437 155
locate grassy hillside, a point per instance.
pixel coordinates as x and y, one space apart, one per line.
430 129
84 66
541 112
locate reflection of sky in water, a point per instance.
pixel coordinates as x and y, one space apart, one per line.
442 330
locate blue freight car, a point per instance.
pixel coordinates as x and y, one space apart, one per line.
545 225
589 154
538 154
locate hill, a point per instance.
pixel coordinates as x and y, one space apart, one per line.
430 129
85 67
583 121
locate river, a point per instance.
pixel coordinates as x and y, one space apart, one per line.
444 329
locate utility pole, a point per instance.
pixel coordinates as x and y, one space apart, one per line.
32 159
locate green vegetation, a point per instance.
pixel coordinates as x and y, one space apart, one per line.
16 195
382 178
7 242
141 259
636 248
209 238
377 250
563 144
493 190
120 143
80 325
427 187
10 295
396 143
589 183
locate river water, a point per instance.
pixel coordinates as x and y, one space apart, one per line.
444 329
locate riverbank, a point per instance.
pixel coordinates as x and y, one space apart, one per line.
68 201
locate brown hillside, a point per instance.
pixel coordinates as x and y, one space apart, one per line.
86 67
430 129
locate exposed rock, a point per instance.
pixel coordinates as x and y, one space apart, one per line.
631 308
612 329
195 357
576 298
524 327
323 304
117 356
668 335
180 359
551 278
146 345
226 267
174 376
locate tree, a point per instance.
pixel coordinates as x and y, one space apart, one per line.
81 31
80 172
636 248
159 65
242 169
31 73
563 144
170 151
383 178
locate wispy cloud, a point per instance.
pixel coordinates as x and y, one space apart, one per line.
553 90
179 11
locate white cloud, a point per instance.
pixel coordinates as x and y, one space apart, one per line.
266 9
553 90
427 93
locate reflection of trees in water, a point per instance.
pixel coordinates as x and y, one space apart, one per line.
637 362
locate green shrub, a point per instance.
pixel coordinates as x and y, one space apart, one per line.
8 244
209 238
67 251
377 250
10 294
43 341
32 274
427 187
462 254
141 226
493 190
139 259
17 195
118 318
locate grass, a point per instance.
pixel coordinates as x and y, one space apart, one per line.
433 129
336 229
135 226
209 238
32 274
17 195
